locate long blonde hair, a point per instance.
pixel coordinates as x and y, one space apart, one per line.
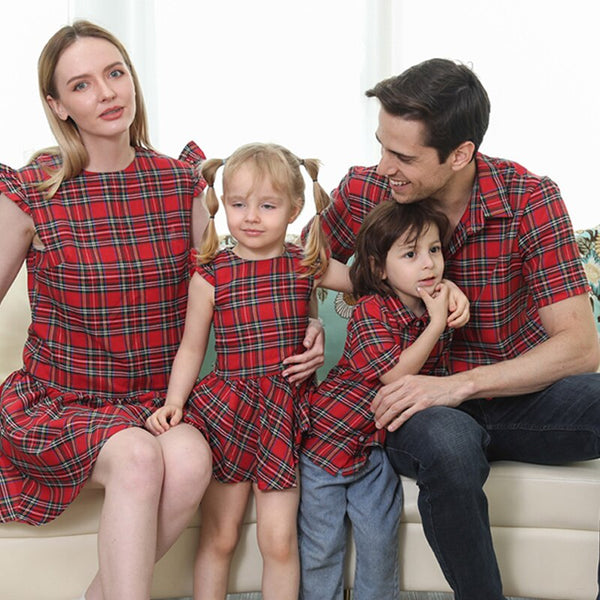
282 168
70 146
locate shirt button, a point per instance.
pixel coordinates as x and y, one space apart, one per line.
361 438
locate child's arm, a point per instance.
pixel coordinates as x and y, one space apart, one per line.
337 277
189 357
413 358
458 306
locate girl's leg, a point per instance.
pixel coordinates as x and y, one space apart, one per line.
223 508
276 514
130 468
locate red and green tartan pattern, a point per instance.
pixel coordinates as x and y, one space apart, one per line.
513 252
251 415
342 426
108 293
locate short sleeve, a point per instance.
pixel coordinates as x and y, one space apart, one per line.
372 343
206 271
552 263
194 156
12 187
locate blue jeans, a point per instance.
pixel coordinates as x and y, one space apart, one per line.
448 452
371 500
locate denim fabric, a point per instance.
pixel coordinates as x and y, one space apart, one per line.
448 451
371 501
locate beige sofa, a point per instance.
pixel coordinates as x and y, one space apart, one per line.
544 519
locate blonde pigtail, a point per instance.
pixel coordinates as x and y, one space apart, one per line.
316 249
209 244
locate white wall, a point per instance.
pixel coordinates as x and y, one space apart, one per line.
539 61
233 71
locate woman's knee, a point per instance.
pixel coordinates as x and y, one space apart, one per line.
130 459
187 461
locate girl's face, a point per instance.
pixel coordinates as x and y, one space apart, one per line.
257 214
412 264
94 88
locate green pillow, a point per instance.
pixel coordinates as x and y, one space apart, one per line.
588 241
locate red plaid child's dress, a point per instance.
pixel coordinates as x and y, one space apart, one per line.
108 291
252 417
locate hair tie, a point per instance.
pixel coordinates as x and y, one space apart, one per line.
211 217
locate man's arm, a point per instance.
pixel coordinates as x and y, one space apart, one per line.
571 348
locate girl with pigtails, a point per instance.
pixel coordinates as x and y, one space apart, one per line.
257 296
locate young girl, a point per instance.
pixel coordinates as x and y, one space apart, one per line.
257 295
398 326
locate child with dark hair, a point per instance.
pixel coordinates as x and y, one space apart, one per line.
398 327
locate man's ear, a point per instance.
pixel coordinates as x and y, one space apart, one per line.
57 108
462 155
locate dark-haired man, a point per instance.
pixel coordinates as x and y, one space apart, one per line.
522 385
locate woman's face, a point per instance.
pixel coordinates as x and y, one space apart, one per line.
95 89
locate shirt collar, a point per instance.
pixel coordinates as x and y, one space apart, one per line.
489 198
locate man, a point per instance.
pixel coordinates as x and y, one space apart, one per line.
522 385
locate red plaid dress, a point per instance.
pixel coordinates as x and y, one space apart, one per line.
251 416
108 293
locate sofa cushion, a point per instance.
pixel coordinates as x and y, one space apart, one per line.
588 241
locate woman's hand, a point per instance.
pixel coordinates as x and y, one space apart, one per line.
304 365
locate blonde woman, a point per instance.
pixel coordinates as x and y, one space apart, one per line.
103 223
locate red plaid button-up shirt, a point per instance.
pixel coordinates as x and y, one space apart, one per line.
342 425
512 253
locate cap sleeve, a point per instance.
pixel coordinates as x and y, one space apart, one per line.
12 187
206 271
193 155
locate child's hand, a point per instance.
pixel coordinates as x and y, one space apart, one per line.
458 306
163 419
437 305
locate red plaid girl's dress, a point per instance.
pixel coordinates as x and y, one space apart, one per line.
252 417
108 291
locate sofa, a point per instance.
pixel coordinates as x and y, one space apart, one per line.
545 520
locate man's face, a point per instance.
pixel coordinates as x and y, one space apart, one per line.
413 170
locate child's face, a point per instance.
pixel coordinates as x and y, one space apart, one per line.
412 264
257 214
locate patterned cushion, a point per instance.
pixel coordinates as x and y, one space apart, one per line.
588 241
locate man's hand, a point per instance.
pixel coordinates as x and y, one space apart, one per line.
305 364
458 306
398 401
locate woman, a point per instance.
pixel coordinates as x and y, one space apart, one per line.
103 222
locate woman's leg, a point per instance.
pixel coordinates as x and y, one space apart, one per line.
223 508
187 462
130 468
276 514
180 472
